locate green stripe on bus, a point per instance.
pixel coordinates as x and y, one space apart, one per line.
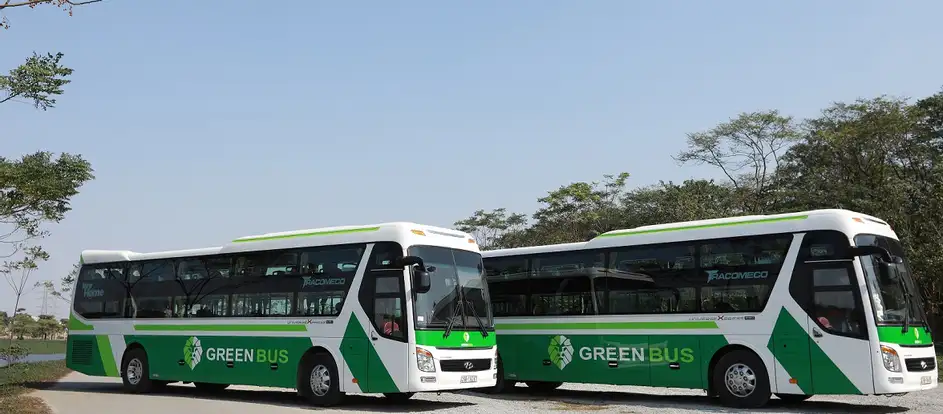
703 226
107 357
223 328
312 234
916 335
456 339
606 325
77 325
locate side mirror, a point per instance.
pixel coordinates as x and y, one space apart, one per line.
422 282
886 274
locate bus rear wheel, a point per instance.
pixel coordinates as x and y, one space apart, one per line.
135 372
318 380
741 381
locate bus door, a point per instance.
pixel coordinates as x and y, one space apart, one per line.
839 348
382 296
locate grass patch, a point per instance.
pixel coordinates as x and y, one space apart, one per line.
19 379
39 346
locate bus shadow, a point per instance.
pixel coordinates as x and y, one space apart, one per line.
580 400
267 397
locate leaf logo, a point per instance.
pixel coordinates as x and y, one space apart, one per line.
192 352
561 351
466 336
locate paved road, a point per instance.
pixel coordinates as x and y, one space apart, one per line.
80 394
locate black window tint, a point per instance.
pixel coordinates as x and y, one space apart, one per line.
326 277
836 306
740 273
649 279
824 245
384 256
507 285
830 277
204 289
561 284
100 291
154 289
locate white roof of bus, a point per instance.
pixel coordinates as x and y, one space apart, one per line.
392 231
722 227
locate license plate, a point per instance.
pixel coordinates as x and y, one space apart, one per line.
466 379
926 380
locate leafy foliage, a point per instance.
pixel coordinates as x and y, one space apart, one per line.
13 353
39 80
881 156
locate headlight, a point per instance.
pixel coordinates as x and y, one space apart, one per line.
891 359
424 360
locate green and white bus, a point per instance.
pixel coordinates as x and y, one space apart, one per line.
394 308
802 304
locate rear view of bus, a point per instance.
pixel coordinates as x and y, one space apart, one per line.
392 308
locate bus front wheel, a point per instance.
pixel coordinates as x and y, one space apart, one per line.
741 381
135 372
318 380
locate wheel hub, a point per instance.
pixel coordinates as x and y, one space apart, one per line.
135 371
740 380
320 380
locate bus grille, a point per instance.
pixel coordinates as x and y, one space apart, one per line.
465 365
920 364
82 351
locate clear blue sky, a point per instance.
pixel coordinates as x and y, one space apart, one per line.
209 120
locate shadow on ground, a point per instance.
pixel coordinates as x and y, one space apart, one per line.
578 400
268 397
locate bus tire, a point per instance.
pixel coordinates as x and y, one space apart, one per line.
502 384
793 398
135 372
210 387
319 381
542 386
741 381
398 397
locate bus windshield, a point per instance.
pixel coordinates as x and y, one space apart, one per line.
894 301
458 290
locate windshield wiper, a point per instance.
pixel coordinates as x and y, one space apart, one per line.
458 307
908 306
481 326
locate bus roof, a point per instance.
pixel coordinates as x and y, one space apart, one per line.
836 219
406 233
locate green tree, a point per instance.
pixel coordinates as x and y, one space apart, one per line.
46 327
21 325
39 80
17 273
669 202
580 211
747 149
493 229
